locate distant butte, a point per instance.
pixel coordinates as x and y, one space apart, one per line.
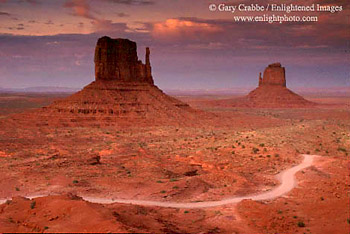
123 87
272 91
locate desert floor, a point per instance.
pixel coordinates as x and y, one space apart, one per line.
237 153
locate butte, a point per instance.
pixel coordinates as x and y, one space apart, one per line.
272 92
123 89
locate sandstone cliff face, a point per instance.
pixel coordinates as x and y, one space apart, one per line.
116 59
123 88
274 74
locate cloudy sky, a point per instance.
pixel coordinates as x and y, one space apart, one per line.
51 43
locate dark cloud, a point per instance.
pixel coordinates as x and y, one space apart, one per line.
121 14
82 8
4 13
49 22
132 2
109 28
34 2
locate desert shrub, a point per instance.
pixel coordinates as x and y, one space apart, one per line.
32 205
255 150
341 149
301 224
218 212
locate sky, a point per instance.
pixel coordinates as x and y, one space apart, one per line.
51 42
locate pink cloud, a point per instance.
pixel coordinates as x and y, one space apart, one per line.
178 28
80 8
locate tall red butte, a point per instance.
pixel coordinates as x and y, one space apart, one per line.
272 91
123 88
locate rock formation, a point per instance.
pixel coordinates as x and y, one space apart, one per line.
123 87
274 74
94 160
116 59
272 91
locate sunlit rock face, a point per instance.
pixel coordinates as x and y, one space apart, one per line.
274 74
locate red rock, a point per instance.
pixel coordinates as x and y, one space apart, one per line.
272 91
124 87
274 74
95 160
116 59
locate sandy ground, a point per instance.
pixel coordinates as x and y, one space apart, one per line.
238 153
286 178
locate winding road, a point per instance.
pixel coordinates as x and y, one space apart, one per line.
287 183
